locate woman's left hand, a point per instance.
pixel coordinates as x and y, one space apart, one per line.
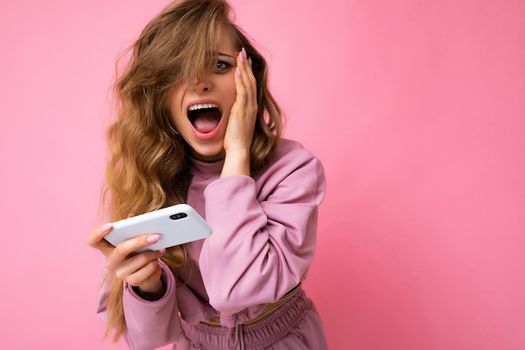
241 123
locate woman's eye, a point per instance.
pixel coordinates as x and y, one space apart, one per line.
222 66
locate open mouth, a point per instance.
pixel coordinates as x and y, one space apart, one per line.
204 118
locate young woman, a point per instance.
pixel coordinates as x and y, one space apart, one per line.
198 125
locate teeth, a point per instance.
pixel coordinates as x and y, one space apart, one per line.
202 105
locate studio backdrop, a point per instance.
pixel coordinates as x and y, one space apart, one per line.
415 108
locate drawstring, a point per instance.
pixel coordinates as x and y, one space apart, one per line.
239 336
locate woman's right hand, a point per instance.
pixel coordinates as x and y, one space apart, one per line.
141 270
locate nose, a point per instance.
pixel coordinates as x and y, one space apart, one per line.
203 85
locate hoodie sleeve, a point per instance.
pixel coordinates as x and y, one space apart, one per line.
149 324
261 248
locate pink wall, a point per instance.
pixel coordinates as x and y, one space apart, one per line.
416 109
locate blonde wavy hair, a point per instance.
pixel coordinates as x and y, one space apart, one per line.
148 165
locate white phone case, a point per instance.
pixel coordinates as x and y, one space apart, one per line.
176 225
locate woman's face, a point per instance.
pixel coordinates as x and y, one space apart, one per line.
204 130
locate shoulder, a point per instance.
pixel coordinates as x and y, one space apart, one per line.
287 146
289 154
291 165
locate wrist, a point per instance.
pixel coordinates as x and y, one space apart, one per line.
236 162
237 151
151 292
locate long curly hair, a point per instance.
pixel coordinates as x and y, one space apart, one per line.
148 166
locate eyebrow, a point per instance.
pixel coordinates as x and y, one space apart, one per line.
224 54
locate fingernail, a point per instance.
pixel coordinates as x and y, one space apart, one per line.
153 238
250 60
237 71
244 52
241 59
105 227
162 251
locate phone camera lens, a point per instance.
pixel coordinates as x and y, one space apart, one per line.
178 216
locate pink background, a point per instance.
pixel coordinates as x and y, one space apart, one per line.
416 109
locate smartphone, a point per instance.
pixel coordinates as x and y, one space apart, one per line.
176 225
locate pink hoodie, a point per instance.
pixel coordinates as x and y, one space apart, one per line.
263 241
